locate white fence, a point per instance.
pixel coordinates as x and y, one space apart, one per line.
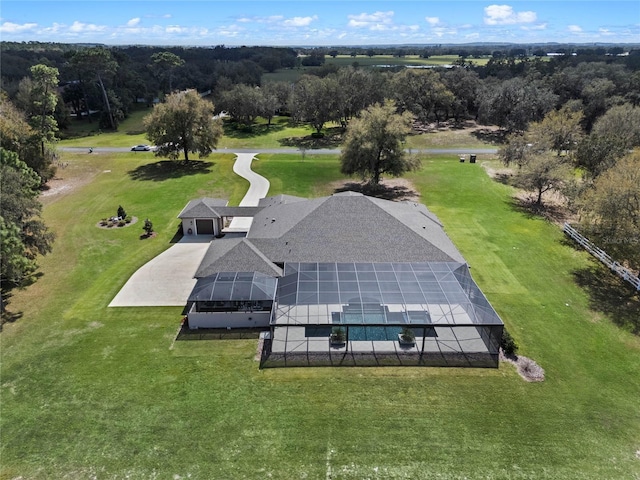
601 255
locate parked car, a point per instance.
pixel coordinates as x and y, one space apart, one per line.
141 148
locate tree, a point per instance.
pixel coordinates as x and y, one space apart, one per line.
96 63
183 124
597 153
514 103
23 234
315 100
244 103
542 173
612 208
17 135
164 64
622 123
39 100
357 90
374 144
423 93
559 130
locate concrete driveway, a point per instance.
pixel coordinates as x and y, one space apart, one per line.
166 280
258 188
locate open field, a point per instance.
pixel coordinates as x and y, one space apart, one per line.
364 61
93 392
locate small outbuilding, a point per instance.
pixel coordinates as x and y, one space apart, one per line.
200 217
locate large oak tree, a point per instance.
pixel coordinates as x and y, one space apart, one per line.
374 144
183 124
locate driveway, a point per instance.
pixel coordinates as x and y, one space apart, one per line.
258 188
166 280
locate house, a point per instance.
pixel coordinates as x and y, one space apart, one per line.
343 280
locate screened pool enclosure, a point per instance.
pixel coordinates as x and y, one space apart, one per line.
430 314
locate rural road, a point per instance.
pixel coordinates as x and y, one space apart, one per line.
311 151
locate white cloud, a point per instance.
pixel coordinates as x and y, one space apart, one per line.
9 27
574 28
541 26
133 22
299 21
505 15
433 21
79 27
371 20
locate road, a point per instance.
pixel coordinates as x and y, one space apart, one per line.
319 151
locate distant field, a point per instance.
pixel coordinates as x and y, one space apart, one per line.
291 75
96 392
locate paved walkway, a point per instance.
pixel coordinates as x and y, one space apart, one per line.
167 280
258 188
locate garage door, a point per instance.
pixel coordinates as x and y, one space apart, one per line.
204 227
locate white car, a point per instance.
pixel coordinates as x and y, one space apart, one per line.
141 148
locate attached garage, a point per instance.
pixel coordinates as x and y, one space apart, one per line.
204 227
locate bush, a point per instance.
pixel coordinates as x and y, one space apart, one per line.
121 212
407 334
148 227
104 222
508 344
122 223
127 219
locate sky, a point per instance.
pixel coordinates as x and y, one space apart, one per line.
319 22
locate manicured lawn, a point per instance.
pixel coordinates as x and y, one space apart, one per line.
93 392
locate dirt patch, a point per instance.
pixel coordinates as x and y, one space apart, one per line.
396 189
527 368
68 178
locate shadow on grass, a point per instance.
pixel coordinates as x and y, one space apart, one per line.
490 136
611 295
531 209
238 130
396 193
178 235
9 317
166 169
332 138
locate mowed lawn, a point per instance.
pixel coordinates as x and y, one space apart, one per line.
96 392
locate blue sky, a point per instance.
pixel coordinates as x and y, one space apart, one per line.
319 22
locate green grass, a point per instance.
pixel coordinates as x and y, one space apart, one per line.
93 392
130 132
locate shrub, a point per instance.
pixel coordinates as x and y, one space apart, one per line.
122 223
121 212
127 219
148 227
407 334
508 344
104 222
338 335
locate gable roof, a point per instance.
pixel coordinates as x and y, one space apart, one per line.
203 208
235 255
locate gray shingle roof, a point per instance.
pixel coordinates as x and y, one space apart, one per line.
202 208
351 228
346 227
235 255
